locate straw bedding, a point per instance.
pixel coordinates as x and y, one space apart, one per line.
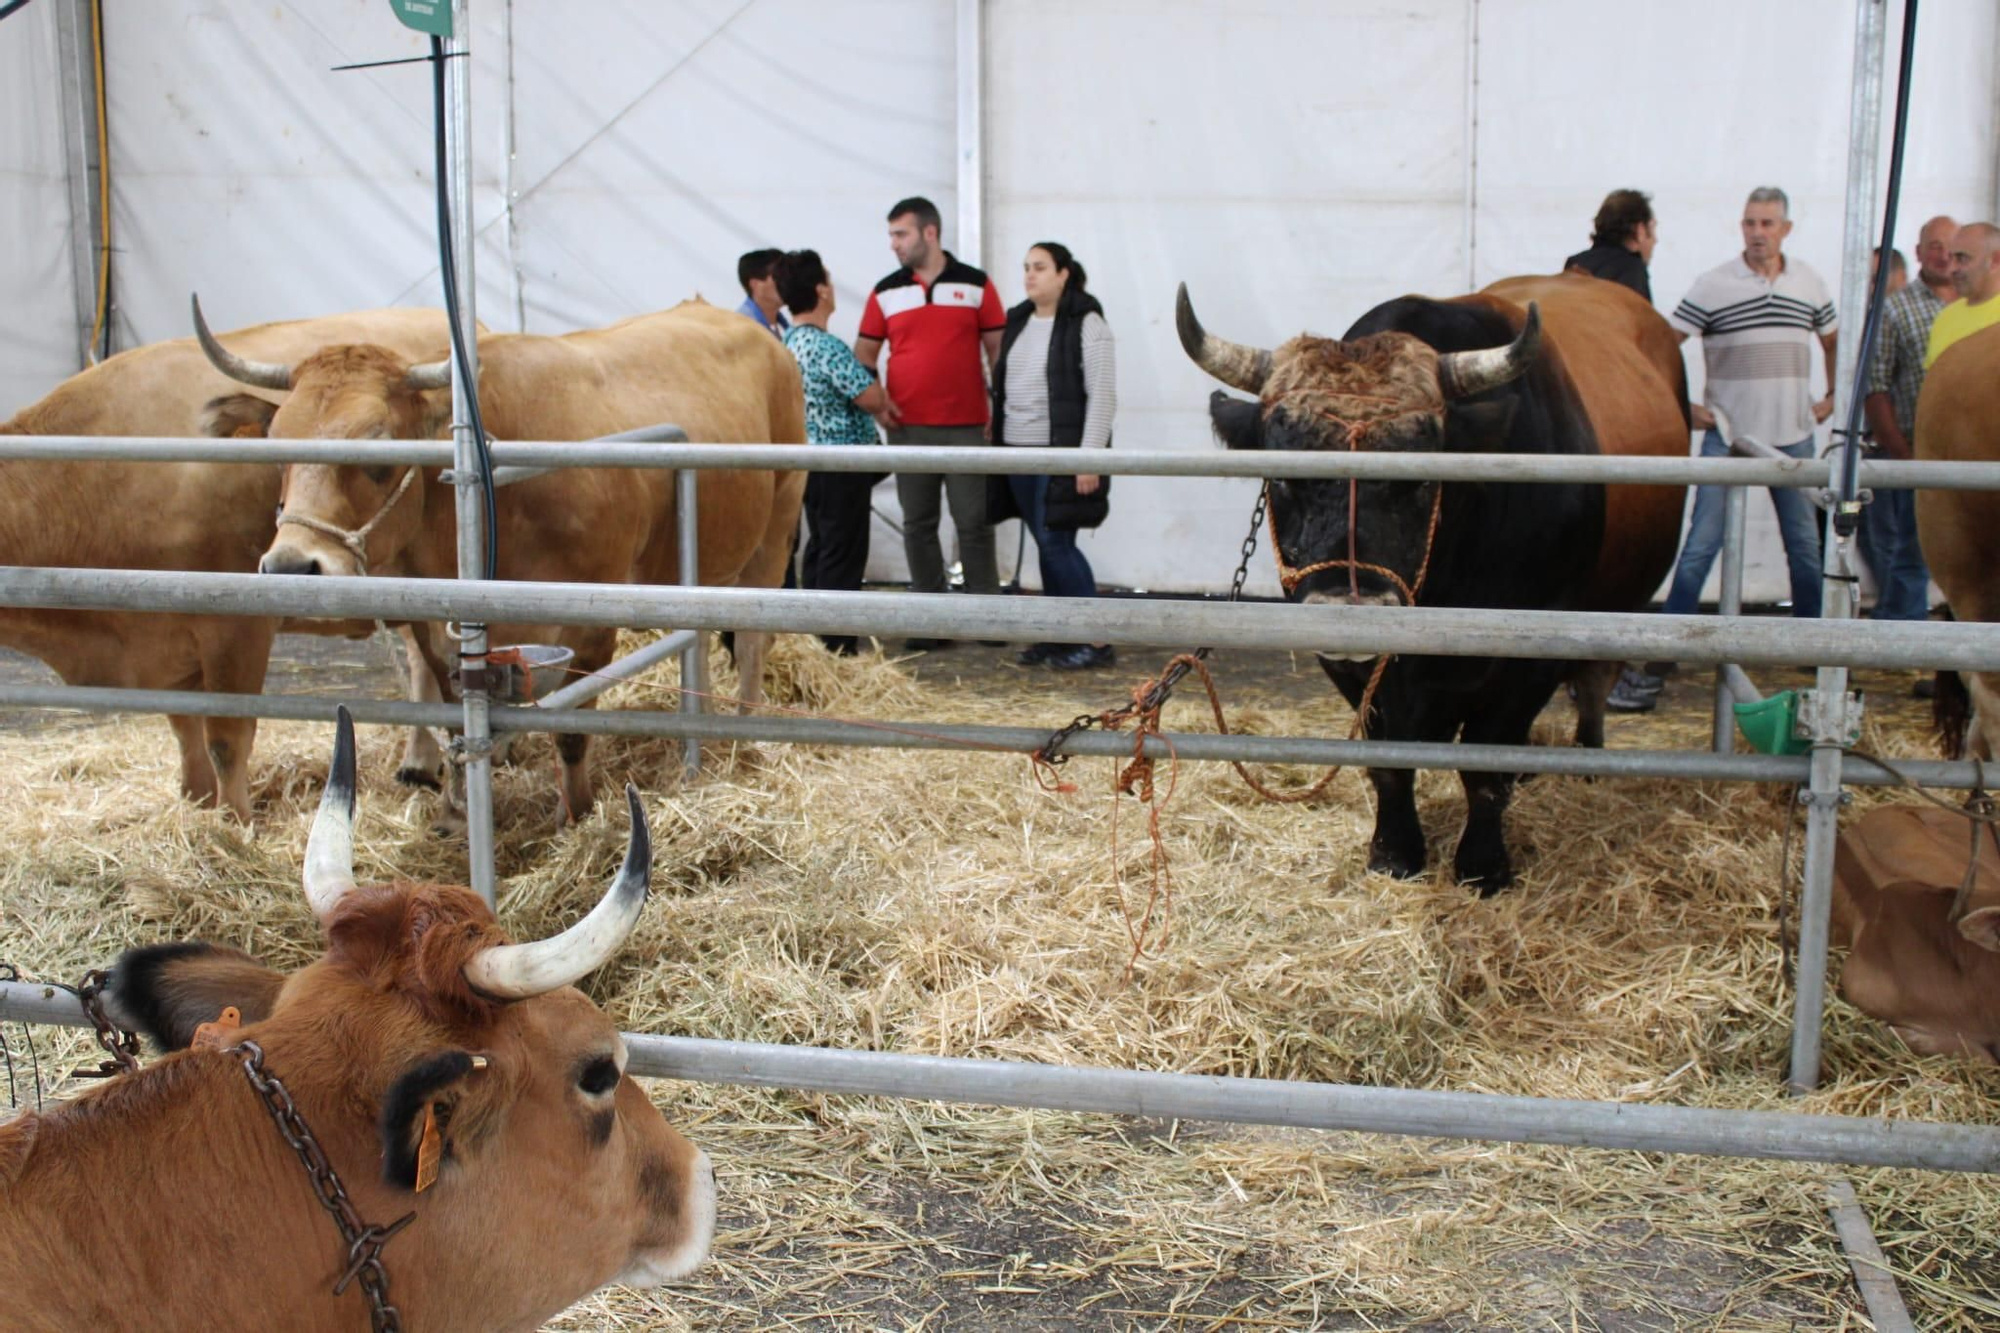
943 903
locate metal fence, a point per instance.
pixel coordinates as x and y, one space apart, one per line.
1719 641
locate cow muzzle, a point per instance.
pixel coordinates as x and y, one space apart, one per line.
655 1267
290 558
1387 597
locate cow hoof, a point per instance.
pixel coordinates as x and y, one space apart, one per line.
412 776
448 824
1383 863
1489 880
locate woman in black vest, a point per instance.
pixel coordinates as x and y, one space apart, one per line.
1055 385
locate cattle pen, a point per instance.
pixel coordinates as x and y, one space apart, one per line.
1716 641
1932 1122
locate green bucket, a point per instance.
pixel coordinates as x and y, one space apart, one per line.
1768 724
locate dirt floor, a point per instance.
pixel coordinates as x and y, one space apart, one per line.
958 1241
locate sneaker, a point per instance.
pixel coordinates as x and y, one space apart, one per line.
1037 653
1084 657
1645 682
1628 698
926 645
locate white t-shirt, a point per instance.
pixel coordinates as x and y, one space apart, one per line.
1758 339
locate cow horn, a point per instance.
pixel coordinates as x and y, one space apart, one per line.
1462 374
330 848
256 374
523 971
1236 365
430 375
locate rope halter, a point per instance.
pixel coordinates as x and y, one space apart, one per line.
355 540
1358 417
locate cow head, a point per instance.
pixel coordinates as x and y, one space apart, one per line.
339 519
1384 392
555 1173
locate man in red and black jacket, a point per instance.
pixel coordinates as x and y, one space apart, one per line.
937 315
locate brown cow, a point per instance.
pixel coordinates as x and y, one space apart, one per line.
715 374
1919 959
168 516
169 1199
1629 373
1957 412
1475 373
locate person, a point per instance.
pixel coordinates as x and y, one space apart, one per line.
1757 317
760 291
938 316
1621 242
1975 275
1888 536
1899 271
843 402
1055 384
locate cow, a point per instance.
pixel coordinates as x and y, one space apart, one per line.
713 373
465 1095
168 516
1923 940
1960 530
1473 374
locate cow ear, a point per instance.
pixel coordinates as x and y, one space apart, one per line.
1239 422
421 1117
237 416
168 990
1480 427
1982 927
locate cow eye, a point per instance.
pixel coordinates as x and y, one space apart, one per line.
599 1076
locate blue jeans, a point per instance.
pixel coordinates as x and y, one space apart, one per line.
1798 525
1065 572
1889 545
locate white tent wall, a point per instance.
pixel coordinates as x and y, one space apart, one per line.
1698 123
1295 162
39 338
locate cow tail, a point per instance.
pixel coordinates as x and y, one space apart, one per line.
1951 713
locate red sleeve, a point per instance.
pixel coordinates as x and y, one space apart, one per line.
992 315
872 323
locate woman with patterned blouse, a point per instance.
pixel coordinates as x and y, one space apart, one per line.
842 401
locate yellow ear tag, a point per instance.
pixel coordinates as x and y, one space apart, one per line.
214 1036
429 1149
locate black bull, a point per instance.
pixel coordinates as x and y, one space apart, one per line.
1402 380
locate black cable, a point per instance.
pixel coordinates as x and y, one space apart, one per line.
1846 512
448 264
7 10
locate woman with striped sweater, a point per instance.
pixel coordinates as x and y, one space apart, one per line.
1056 385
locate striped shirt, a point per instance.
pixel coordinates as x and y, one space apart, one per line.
1757 340
1027 406
1898 367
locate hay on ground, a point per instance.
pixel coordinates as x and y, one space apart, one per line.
942 903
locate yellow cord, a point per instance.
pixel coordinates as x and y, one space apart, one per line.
103 182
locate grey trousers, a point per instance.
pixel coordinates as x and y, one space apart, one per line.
918 494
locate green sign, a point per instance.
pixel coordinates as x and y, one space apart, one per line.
431 16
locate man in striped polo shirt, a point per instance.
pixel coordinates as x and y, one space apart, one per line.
1757 317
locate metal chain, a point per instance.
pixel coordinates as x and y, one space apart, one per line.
1157 694
364 1242
122 1045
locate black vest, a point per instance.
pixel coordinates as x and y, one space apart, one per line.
1066 393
